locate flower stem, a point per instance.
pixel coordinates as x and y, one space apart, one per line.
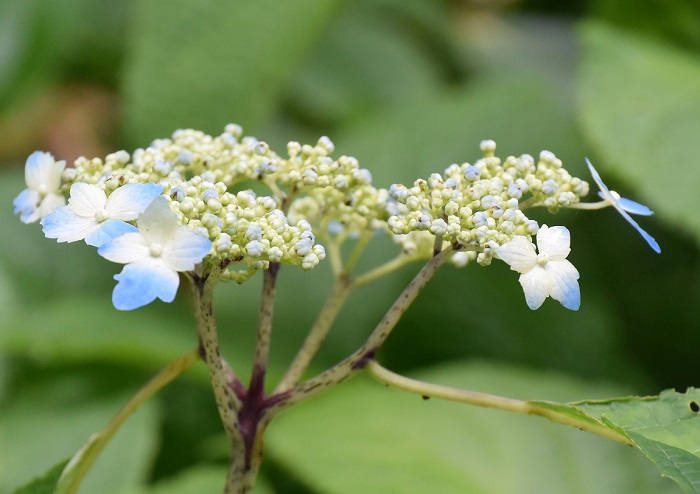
262 346
382 270
80 464
317 334
220 375
385 376
360 245
355 362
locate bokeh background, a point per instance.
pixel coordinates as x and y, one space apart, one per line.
408 87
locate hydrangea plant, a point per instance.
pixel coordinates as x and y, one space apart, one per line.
180 208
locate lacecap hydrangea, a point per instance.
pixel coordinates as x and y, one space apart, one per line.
185 205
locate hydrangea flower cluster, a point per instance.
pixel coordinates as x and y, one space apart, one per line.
179 206
480 205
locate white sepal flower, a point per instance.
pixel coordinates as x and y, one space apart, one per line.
93 216
41 197
547 273
624 206
153 256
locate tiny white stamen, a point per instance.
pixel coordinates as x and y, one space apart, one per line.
156 250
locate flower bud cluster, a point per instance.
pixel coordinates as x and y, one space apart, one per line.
479 205
338 192
243 226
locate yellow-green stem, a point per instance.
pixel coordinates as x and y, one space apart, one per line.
352 364
383 270
317 335
80 464
360 245
485 400
220 375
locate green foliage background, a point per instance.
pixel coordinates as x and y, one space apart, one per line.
408 87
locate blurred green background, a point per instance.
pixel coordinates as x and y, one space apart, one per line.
408 87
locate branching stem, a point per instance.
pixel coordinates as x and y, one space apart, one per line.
485 400
356 361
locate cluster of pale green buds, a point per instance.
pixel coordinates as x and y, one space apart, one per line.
479 205
477 209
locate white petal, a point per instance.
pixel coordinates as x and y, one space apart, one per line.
565 289
142 282
27 206
554 242
158 223
66 226
107 231
519 253
185 250
41 171
536 285
607 195
130 247
50 203
129 201
86 199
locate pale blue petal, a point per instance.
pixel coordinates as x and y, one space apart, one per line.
563 277
634 207
142 282
129 201
158 223
519 254
554 242
41 170
66 226
27 206
185 250
107 231
536 286
125 249
650 240
631 206
607 195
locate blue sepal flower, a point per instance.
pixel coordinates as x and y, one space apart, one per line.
624 206
42 195
153 255
93 216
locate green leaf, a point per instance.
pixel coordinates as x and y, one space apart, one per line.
366 50
204 64
45 483
640 102
429 134
674 463
51 421
196 481
404 444
666 428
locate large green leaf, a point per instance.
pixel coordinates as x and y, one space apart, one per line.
90 329
439 129
640 102
369 58
45 483
665 428
403 444
196 480
204 64
48 423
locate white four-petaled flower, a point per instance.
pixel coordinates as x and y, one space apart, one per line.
42 196
625 206
153 256
547 273
93 216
